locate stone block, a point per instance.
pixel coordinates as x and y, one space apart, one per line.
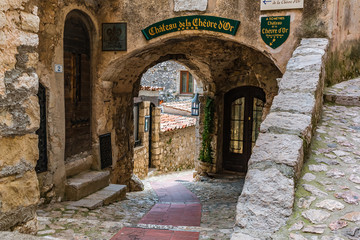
303 103
105 196
29 22
4 6
307 82
19 192
29 227
33 59
135 184
305 63
15 162
32 110
85 184
20 120
78 165
18 217
3 20
29 39
314 42
280 149
17 4
265 203
190 5
288 123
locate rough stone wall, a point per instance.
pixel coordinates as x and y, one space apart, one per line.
268 196
19 115
155 138
141 153
170 150
177 150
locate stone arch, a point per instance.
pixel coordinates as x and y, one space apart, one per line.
220 63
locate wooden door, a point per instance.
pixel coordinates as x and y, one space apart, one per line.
77 89
243 114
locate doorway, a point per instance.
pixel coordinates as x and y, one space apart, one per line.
242 118
77 89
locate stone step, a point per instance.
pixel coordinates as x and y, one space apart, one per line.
345 93
85 183
105 196
77 165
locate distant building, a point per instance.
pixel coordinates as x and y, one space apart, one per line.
171 80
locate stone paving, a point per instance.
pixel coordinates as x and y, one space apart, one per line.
218 198
328 193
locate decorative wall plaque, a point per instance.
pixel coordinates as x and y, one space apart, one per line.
275 30
281 4
114 37
194 22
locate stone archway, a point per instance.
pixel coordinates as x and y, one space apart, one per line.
220 63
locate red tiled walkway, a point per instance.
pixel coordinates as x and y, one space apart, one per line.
152 234
173 192
177 207
174 214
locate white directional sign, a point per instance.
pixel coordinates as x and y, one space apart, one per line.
281 4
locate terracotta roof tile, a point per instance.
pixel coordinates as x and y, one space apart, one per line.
183 106
169 122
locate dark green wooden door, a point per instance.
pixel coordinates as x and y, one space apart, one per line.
243 114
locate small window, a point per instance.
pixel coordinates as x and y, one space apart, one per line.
186 82
136 125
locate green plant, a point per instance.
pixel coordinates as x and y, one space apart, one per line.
206 149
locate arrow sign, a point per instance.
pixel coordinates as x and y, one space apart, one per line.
279 5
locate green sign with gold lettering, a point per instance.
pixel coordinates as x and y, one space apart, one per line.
275 30
194 22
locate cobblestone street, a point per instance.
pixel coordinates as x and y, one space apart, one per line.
328 193
218 198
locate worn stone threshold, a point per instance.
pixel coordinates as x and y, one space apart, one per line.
105 196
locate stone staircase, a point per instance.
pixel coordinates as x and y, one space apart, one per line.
88 188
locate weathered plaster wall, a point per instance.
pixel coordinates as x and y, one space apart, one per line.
19 115
343 63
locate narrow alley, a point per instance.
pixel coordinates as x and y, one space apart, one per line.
159 211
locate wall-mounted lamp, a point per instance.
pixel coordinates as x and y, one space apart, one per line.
195 105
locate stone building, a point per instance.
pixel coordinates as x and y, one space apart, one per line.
174 79
68 79
166 139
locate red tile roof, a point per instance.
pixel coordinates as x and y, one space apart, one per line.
169 122
182 106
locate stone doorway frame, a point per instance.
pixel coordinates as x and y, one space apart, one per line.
52 182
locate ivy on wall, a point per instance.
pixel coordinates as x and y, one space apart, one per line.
206 149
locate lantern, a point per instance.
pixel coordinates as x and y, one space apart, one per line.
195 105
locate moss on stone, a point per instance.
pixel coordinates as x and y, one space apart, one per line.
343 64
